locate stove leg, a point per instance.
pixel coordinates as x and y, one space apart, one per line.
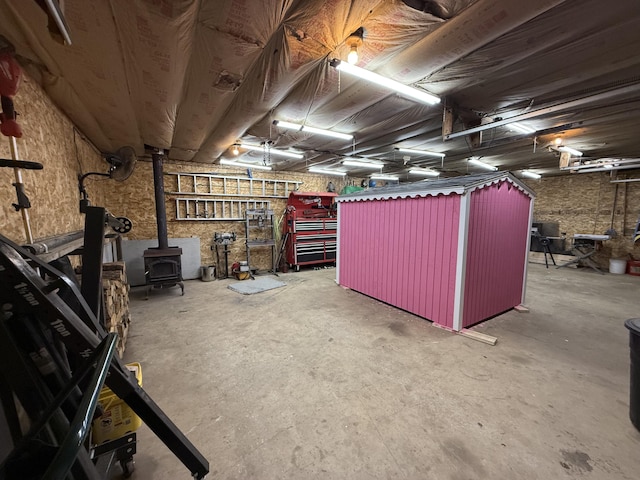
181 287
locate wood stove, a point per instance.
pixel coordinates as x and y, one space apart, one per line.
163 264
163 267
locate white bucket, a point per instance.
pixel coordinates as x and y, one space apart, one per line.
617 265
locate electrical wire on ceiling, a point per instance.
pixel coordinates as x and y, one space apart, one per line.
77 133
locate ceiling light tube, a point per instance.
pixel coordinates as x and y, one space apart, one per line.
370 76
602 163
570 150
305 128
382 176
327 133
289 125
425 172
357 163
421 152
527 173
605 169
326 172
567 106
233 163
480 164
519 127
272 151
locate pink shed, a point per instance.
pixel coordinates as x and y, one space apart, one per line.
450 250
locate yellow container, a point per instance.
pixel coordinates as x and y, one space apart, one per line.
117 419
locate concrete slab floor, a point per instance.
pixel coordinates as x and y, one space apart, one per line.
315 381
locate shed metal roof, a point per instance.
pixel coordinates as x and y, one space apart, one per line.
441 186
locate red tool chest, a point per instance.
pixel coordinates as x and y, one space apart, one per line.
310 228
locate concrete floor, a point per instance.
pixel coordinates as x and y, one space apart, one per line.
315 381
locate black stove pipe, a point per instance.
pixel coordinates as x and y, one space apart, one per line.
161 211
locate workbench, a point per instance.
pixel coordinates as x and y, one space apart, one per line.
584 247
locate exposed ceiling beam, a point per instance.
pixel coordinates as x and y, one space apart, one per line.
578 102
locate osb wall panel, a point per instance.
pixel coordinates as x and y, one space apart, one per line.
583 203
48 138
134 199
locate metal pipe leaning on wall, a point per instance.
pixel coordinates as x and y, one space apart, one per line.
48 244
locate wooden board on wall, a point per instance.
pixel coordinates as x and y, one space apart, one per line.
135 200
49 138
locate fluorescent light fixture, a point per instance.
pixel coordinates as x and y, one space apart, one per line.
382 176
305 128
529 174
421 152
327 133
570 150
363 164
372 77
604 165
606 169
235 150
289 125
425 172
480 164
520 127
272 151
233 163
325 171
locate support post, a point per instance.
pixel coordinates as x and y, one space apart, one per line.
161 210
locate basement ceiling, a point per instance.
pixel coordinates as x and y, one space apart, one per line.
195 77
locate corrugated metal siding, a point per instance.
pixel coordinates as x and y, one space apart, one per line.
402 252
496 251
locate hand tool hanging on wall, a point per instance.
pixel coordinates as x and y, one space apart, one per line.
10 75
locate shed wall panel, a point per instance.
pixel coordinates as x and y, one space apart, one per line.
498 231
402 252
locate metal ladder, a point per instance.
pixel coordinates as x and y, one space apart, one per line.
205 184
216 209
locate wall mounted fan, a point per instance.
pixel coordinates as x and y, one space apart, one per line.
121 166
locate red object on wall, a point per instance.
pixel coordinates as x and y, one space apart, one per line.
310 228
10 75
